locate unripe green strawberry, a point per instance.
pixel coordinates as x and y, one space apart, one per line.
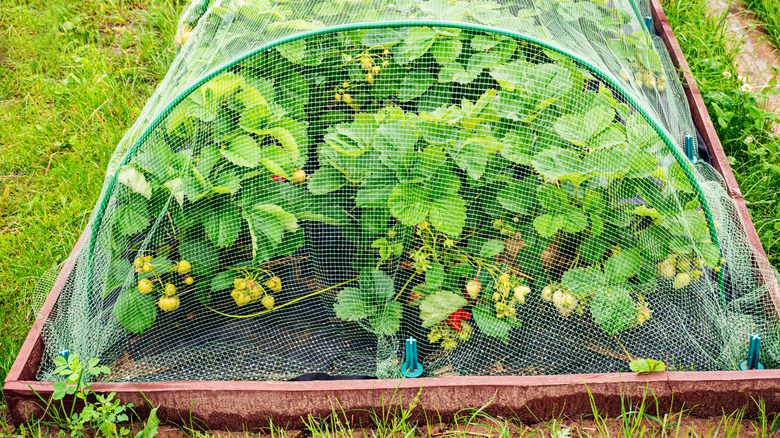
145 286
189 280
547 294
138 263
268 302
170 289
169 304
473 288
391 233
183 267
681 280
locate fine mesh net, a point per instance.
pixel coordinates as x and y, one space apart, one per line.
315 182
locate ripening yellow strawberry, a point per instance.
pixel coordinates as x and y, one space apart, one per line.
239 283
170 289
473 288
256 292
169 304
274 283
240 297
298 177
268 302
145 286
681 280
519 293
189 280
183 267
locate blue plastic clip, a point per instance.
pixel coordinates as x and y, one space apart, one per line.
754 349
411 368
689 150
64 354
649 24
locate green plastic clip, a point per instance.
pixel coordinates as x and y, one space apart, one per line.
411 368
754 349
689 150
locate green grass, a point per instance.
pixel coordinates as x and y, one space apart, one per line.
735 114
769 12
73 77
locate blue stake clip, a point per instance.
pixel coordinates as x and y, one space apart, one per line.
411 368
754 348
649 24
689 150
64 354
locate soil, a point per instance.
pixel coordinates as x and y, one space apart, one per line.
757 56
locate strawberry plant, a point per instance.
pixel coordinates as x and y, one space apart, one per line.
465 169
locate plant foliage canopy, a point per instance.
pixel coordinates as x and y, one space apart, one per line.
506 181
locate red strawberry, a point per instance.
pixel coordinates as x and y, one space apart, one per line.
456 317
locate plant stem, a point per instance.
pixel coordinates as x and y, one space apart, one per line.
404 286
283 305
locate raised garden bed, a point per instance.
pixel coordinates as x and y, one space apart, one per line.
226 404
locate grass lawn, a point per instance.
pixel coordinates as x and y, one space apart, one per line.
74 75
768 11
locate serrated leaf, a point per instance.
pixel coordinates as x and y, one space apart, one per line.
242 151
583 281
203 256
120 273
621 266
409 204
294 51
548 224
435 308
375 192
388 320
222 223
448 215
613 308
417 42
352 305
446 51
287 220
485 317
434 277
472 158
223 281
136 180
647 366
135 311
414 84
326 179
491 248
556 163
575 221
131 218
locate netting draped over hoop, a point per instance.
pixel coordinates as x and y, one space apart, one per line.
505 181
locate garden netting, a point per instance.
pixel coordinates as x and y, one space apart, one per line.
507 182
